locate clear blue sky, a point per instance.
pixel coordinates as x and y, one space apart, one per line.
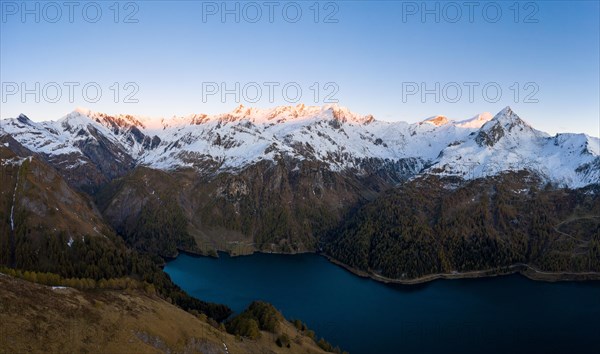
373 51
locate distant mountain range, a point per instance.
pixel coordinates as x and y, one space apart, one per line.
93 148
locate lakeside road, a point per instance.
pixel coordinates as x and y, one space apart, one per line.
521 268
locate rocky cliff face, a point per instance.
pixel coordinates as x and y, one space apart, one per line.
269 206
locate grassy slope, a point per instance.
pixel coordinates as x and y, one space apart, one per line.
37 318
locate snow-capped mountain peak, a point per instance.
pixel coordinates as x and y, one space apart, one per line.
282 114
437 120
23 118
508 119
476 122
506 125
82 110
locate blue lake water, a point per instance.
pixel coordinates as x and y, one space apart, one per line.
509 314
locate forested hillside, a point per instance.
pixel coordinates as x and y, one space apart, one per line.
430 226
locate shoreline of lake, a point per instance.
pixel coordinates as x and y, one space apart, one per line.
523 269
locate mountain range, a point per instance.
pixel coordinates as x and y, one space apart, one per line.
92 148
281 179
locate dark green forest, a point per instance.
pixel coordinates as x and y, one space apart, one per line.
423 227
98 259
